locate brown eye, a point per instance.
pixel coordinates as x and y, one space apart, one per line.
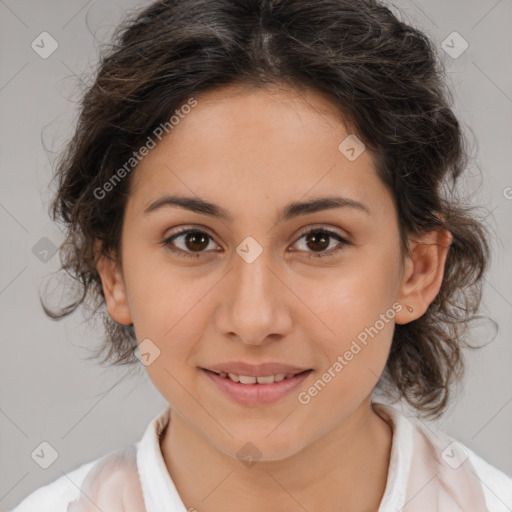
193 242
318 240
196 240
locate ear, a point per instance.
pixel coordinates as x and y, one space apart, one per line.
113 286
423 274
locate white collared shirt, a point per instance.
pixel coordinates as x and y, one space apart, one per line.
159 493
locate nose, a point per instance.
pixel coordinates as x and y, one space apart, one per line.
254 307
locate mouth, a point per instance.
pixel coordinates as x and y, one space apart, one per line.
259 379
255 390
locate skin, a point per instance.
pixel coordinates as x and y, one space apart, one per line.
252 151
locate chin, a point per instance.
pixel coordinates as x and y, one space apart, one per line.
261 448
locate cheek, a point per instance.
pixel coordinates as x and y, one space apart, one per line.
354 315
170 306
355 350
160 293
165 310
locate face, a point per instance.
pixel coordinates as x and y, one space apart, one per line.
315 288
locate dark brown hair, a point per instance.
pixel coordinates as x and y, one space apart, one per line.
381 73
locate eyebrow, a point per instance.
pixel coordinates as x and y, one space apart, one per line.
290 211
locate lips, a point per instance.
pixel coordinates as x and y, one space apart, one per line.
260 370
255 394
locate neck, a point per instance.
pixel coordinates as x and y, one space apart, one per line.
343 470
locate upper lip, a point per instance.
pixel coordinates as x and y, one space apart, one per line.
251 370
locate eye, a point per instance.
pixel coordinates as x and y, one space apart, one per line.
194 242
319 239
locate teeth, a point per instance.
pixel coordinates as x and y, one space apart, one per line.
268 379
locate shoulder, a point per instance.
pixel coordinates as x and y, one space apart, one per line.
457 466
55 496
65 493
496 484
453 455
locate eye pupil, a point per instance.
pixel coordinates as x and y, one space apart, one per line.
318 238
198 238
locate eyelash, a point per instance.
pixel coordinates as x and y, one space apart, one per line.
329 233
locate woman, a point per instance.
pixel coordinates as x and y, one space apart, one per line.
257 199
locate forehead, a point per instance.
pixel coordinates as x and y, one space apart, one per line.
270 144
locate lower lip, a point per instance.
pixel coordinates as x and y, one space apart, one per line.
253 395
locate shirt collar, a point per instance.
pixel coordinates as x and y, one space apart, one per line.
158 487
400 457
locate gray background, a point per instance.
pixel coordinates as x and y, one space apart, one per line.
50 392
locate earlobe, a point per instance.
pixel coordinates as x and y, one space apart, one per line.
423 275
114 289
